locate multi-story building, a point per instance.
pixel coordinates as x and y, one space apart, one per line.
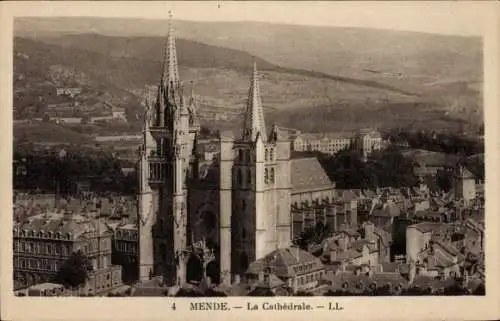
43 242
331 143
126 249
328 143
298 270
464 184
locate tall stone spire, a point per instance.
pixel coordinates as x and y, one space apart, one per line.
254 116
170 69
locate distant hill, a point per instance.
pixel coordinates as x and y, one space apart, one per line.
409 59
123 67
315 79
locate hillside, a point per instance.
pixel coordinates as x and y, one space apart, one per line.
120 67
221 76
408 58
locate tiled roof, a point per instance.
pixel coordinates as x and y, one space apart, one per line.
271 283
352 280
423 281
282 261
448 248
307 173
426 227
387 211
76 225
347 255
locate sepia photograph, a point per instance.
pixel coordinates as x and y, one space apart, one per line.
249 150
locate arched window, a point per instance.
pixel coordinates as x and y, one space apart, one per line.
267 154
271 154
266 176
272 176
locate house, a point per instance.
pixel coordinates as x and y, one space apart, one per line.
290 268
367 247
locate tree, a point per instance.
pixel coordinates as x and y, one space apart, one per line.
75 270
444 180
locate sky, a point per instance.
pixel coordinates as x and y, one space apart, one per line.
443 17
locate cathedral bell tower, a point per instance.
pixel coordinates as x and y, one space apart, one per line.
260 220
170 132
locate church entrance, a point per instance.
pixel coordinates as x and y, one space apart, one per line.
194 269
213 272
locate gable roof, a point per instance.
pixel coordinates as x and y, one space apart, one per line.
282 261
307 173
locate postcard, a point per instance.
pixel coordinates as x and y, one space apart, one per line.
178 160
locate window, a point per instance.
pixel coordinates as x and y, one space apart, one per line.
267 154
271 155
272 176
239 177
240 155
249 176
266 176
244 233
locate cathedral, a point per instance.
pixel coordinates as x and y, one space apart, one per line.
200 217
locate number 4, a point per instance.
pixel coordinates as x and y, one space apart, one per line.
173 306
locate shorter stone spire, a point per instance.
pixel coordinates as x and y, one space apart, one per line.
254 123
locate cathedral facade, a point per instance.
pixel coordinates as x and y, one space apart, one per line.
214 217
